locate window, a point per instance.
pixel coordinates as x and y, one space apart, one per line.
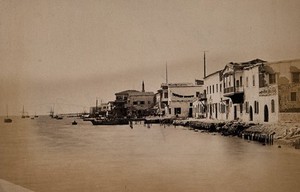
210 89
293 96
247 106
142 102
177 110
217 88
213 88
253 80
223 106
135 102
261 80
241 81
246 81
220 87
256 107
241 108
237 83
272 106
165 95
272 78
197 94
295 77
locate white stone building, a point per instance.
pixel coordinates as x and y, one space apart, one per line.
255 91
176 99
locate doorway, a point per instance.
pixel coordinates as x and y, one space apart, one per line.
266 114
235 112
251 113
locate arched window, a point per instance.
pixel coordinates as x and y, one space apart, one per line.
272 106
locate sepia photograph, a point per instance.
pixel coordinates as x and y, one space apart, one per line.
149 95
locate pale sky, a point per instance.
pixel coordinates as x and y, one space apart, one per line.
70 52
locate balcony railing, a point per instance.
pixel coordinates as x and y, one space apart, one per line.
232 90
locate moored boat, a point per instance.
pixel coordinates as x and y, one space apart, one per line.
7 120
110 122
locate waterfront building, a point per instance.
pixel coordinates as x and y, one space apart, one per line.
255 91
211 102
104 109
176 99
161 100
134 103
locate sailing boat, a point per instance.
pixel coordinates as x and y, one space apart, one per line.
24 114
52 112
7 120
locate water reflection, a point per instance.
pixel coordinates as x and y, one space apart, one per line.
53 155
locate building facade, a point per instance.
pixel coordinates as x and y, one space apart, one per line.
255 91
176 99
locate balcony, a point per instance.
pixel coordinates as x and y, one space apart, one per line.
235 93
231 91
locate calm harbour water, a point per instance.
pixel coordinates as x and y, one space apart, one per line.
52 155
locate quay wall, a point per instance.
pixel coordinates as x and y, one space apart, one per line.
284 133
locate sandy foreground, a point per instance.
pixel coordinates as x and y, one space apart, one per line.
6 186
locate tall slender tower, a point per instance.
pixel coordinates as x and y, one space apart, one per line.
166 73
143 86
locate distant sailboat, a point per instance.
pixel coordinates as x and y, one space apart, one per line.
52 112
24 114
7 120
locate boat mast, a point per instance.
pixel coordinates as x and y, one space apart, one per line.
204 63
23 112
6 110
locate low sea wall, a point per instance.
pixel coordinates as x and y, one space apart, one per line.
265 134
281 133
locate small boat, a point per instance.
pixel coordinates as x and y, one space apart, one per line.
7 120
74 123
59 117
